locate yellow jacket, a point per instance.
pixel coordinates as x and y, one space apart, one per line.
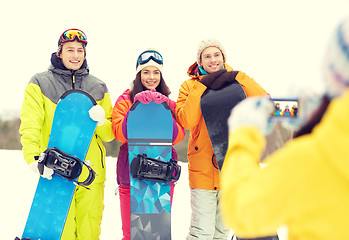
40 101
305 185
202 173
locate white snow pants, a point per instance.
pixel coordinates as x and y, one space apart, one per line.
206 221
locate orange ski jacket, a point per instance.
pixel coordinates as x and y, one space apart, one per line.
202 172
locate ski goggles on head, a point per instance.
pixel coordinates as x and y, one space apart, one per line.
145 56
71 35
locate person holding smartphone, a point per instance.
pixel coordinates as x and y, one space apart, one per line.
305 184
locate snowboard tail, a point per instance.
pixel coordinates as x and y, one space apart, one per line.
216 106
151 226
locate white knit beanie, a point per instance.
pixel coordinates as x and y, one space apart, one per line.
149 63
209 43
336 61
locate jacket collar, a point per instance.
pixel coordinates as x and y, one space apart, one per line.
193 70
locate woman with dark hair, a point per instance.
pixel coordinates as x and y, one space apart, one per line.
137 87
148 85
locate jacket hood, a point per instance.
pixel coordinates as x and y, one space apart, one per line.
124 96
193 70
66 75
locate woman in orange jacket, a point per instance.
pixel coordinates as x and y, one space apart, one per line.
210 71
148 77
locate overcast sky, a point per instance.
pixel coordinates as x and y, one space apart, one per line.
278 43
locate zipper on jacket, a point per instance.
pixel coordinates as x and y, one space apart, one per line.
100 149
73 81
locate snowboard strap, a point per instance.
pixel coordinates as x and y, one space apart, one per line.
65 166
146 168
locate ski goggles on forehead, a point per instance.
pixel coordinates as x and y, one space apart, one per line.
144 57
72 35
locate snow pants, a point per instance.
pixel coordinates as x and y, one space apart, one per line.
85 214
125 209
206 221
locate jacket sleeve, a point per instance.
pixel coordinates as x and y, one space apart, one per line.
188 110
32 117
120 114
240 165
264 200
250 86
105 131
178 130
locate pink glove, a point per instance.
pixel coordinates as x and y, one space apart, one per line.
144 97
159 98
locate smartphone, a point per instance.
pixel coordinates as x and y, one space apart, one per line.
285 108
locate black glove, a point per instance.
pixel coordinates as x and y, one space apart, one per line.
224 78
211 77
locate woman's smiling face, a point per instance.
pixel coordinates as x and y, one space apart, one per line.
150 77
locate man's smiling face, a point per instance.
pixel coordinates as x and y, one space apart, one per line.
73 55
212 59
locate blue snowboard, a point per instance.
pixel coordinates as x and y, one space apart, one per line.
216 106
149 131
72 131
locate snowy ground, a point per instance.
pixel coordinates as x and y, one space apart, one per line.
18 185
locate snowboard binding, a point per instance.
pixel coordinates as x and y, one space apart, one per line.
151 169
65 166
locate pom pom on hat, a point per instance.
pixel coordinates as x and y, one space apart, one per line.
209 43
336 61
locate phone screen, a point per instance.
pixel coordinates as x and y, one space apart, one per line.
285 108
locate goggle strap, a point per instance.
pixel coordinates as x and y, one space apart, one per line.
144 57
72 35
